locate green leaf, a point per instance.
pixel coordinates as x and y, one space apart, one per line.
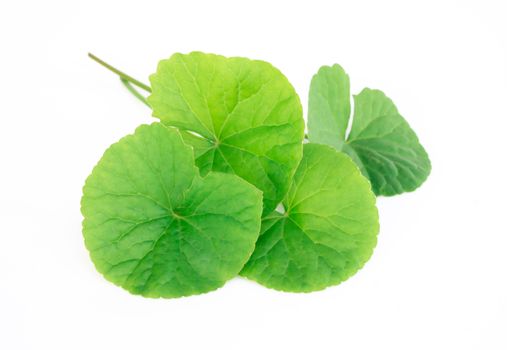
390 152
328 231
155 227
329 106
241 116
380 141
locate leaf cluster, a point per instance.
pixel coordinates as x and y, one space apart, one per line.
225 184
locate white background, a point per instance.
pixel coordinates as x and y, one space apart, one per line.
438 277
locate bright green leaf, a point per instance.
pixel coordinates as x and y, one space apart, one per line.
155 227
380 141
241 116
329 106
329 229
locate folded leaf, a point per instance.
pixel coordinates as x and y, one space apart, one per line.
328 231
155 227
389 150
241 116
380 141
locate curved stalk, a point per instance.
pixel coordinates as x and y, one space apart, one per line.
133 91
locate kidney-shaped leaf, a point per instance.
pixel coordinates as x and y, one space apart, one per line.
155 227
380 141
328 231
241 116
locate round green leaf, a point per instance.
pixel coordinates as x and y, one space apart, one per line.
155 227
328 230
241 116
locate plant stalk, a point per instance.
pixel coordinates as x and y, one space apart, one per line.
123 76
133 91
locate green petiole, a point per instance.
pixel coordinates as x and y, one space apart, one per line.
126 79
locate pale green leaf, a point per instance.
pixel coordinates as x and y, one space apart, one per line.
329 106
242 117
328 231
380 141
155 227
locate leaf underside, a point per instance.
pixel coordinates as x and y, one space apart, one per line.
380 141
241 116
155 227
328 231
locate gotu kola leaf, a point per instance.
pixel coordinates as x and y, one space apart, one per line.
155 227
328 231
241 116
329 106
380 141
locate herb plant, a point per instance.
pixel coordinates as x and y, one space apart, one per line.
224 186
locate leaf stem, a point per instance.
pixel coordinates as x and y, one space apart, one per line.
122 75
133 91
